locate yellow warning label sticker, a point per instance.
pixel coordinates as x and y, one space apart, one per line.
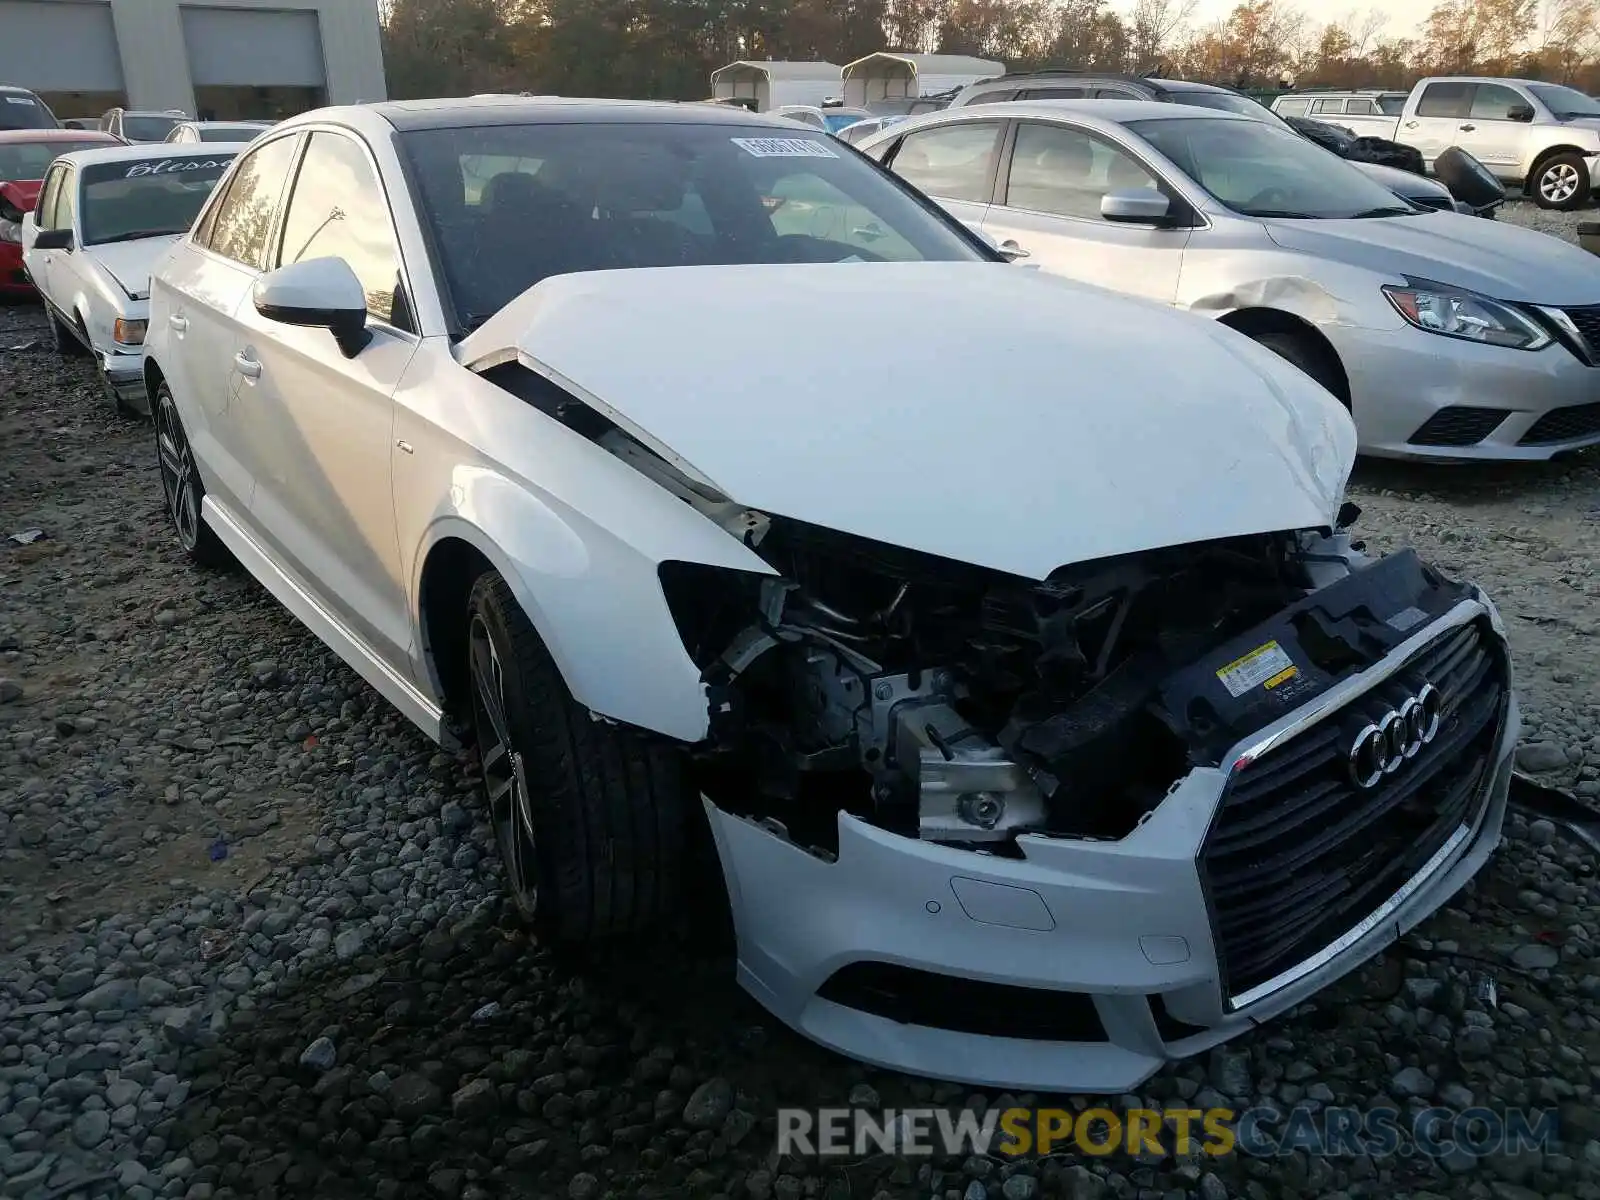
1281 677
1268 664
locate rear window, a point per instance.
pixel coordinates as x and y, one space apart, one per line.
228 133
27 160
147 129
24 112
146 197
1393 104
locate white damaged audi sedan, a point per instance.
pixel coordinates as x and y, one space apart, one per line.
1025 683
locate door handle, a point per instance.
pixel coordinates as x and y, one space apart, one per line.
1010 251
178 324
249 367
1468 128
1411 124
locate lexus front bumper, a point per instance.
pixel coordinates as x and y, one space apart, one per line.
1086 966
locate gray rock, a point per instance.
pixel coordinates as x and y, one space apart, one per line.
1080 1183
1535 956
709 1104
1540 757
1020 1187
320 1055
1212 1188
414 1096
91 1128
115 994
583 1187
349 943
476 1101
1411 1081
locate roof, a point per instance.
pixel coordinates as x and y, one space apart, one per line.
89 136
460 113
932 64
122 153
1110 112
779 69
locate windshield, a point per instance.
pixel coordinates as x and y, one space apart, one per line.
509 205
1263 170
1564 101
147 129
27 160
1241 106
146 197
24 112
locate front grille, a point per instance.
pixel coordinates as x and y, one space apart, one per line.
1586 320
1458 426
1563 424
1298 855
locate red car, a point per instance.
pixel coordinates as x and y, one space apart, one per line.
24 155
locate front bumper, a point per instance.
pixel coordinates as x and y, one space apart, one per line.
1402 379
124 376
1079 966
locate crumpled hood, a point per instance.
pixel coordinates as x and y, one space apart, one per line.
982 412
129 263
1493 257
20 194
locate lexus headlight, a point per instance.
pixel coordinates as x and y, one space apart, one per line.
1466 315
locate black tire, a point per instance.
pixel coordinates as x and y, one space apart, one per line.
1467 178
63 339
181 485
1306 354
589 816
1561 182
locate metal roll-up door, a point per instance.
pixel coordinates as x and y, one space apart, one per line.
59 46
232 47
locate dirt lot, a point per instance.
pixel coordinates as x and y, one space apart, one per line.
217 847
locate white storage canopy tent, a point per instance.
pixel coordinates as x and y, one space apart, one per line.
887 75
771 84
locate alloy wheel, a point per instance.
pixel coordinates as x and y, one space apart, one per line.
505 778
177 473
1560 183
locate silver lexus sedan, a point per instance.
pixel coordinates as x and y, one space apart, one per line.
1447 336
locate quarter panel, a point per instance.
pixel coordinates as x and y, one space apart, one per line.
576 532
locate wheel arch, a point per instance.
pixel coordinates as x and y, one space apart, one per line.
1258 320
154 377
1547 154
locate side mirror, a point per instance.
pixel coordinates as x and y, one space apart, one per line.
1521 112
53 239
1136 206
323 293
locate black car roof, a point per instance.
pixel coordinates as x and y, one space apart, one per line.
407 115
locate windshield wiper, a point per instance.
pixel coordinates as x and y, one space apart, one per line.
1387 210
134 235
1286 214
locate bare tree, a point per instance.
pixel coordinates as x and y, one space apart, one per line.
1154 27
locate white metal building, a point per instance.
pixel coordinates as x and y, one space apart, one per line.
212 58
888 75
770 83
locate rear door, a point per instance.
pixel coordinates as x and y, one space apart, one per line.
198 295
954 163
1442 109
1049 206
1489 134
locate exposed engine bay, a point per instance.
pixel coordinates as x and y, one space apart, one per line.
957 705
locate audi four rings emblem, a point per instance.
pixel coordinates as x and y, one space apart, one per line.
1384 746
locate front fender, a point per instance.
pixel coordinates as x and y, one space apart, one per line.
595 602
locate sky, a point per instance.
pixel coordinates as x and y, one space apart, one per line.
1404 15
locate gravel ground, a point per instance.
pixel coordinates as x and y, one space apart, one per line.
250 942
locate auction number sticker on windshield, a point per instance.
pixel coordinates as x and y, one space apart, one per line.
1266 665
784 148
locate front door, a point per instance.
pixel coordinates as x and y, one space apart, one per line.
1489 134
1049 206
323 424
1435 125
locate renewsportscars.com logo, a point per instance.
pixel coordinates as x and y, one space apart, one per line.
1264 1132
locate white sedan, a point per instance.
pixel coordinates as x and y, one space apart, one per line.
1043 721
102 218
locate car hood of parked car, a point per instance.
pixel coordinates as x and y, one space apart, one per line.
129 263
1494 258
979 411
